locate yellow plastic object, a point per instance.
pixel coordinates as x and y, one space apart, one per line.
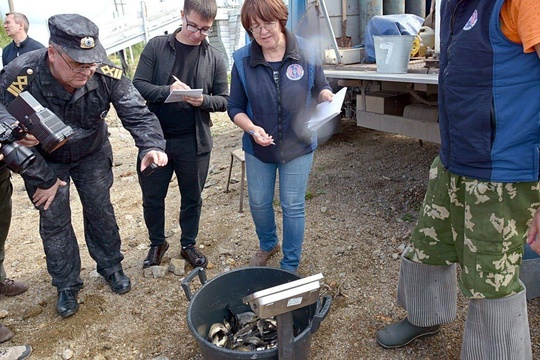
415 46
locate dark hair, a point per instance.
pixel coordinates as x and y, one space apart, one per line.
206 9
20 18
266 10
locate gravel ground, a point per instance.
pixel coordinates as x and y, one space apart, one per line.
364 192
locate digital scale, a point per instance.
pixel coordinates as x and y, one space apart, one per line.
280 301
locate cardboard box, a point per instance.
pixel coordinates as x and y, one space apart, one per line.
390 103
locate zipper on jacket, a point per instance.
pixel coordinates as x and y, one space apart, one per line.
280 120
449 51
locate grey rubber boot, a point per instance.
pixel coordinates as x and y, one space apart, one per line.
403 333
429 294
497 329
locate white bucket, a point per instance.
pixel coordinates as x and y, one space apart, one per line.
392 53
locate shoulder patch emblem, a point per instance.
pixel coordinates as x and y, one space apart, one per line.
472 21
110 71
21 81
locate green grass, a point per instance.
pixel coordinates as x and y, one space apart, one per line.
4 39
408 217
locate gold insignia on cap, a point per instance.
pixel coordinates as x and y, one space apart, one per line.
87 42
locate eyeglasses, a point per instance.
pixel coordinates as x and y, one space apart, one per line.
77 69
256 29
194 29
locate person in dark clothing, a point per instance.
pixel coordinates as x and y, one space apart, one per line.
182 60
74 79
16 26
8 287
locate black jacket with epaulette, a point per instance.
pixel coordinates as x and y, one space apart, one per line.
84 110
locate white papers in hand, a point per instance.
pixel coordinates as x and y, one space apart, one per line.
326 111
178 95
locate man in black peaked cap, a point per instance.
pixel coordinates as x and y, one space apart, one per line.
75 80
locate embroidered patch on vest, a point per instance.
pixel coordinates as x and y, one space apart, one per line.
295 72
472 21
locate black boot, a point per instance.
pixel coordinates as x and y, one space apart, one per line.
67 303
119 282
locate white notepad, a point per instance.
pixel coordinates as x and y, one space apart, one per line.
326 111
178 95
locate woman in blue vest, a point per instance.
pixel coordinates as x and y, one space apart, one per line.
276 81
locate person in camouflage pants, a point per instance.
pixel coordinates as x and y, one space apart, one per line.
462 221
483 198
480 225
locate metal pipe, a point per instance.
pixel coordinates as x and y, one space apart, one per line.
417 7
368 9
393 7
322 3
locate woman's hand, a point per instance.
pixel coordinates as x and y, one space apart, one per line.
325 95
260 136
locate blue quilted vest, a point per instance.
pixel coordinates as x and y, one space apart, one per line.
282 113
489 92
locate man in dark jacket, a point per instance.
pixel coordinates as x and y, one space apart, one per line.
180 61
16 26
74 79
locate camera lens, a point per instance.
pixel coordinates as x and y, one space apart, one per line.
17 157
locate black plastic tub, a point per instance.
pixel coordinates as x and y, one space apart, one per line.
209 305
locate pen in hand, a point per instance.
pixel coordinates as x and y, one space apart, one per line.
175 78
259 135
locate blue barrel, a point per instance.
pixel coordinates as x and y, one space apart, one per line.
297 10
368 9
391 7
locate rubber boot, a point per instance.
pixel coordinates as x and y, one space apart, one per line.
429 294
497 329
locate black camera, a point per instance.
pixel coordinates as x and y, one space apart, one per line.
47 128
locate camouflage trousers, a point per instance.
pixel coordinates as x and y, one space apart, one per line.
480 225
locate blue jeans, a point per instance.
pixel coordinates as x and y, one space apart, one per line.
293 179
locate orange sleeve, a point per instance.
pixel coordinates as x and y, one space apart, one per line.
520 22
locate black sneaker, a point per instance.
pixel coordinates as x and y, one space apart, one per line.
194 256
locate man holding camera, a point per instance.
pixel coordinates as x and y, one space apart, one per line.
74 79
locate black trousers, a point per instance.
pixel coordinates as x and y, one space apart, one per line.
6 189
93 178
191 171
